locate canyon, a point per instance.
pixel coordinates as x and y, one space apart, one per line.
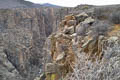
43 43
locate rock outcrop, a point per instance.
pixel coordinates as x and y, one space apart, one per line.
29 52
77 34
61 46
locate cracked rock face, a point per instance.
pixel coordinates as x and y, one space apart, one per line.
7 70
71 40
23 33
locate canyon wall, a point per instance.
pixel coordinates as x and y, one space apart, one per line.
23 33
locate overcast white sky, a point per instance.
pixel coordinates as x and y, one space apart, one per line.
73 3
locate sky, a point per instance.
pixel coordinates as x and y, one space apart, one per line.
73 3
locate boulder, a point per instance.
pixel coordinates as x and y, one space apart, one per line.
69 17
7 70
81 17
113 39
41 77
94 47
69 30
87 43
51 68
58 35
81 29
60 57
62 23
73 35
71 23
88 20
82 14
90 48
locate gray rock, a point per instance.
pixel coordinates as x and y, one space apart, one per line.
81 29
51 68
81 17
113 39
87 43
7 70
71 23
60 57
24 32
89 20
69 30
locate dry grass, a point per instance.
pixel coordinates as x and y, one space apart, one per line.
107 69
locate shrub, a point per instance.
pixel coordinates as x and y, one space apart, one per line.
98 12
115 17
100 28
102 13
87 70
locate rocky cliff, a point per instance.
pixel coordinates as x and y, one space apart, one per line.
7 70
85 46
57 43
23 33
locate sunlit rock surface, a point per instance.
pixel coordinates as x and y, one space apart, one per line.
87 36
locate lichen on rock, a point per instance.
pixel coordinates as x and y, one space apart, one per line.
77 34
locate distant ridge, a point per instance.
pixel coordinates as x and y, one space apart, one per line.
15 4
22 4
49 5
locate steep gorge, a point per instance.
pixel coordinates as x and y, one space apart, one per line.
33 38
23 33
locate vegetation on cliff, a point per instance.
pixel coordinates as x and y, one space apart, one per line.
85 48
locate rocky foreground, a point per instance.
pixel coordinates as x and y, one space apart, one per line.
84 48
